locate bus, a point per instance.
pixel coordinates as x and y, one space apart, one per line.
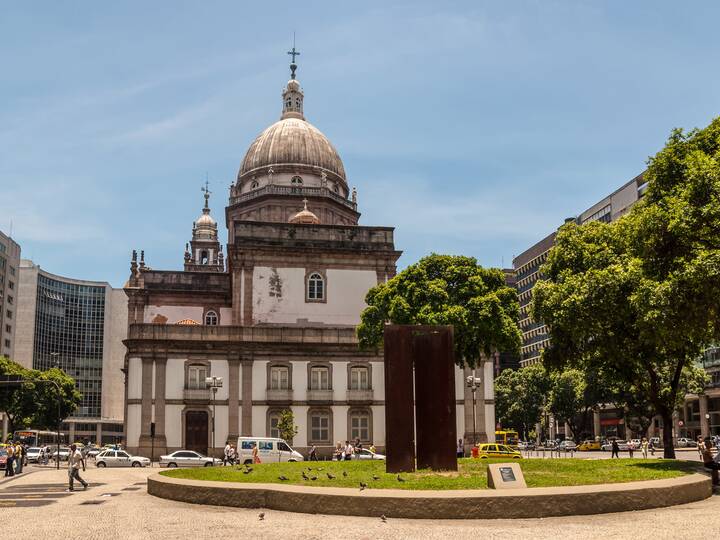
37 438
507 437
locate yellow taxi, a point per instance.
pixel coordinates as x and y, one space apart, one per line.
589 445
492 450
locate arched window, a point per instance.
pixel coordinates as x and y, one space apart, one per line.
335 188
296 181
273 420
315 287
359 378
297 102
254 184
211 318
360 425
319 378
204 257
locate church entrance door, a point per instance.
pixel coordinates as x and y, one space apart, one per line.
196 431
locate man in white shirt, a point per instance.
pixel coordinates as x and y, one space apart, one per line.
75 461
228 454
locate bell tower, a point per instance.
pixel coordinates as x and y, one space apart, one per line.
204 253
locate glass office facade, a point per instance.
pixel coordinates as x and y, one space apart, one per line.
69 330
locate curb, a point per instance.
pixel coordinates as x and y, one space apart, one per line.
449 504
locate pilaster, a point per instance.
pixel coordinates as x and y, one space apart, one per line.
246 424
233 396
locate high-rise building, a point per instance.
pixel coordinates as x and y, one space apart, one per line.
9 263
78 326
527 264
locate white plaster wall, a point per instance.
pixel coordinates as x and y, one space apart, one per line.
459 383
133 425
221 425
460 420
259 384
173 425
134 378
219 368
174 313
174 378
225 316
340 424
116 327
300 413
340 381
299 380
490 421
488 376
378 380
346 290
378 418
259 417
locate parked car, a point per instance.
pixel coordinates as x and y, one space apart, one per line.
589 445
567 445
526 445
64 454
656 442
3 459
34 454
188 458
685 442
366 454
270 450
120 458
636 443
622 445
93 451
491 450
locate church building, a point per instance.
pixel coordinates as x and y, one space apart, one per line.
274 316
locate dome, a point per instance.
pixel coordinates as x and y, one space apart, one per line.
305 216
205 220
292 141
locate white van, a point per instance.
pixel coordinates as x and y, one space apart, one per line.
270 450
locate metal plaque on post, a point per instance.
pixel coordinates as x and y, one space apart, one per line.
399 413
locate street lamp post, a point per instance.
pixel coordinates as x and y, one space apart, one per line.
473 382
213 383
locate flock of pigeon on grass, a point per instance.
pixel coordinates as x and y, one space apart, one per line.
247 469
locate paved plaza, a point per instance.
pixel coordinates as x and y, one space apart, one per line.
118 506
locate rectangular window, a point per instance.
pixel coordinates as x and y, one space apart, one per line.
360 427
10 300
266 445
196 377
247 445
319 378
12 271
8 314
279 379
7 343
320 427
359 378
8 328
11 284
274 431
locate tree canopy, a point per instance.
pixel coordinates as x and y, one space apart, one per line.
34 402
520 397
638 297
447 290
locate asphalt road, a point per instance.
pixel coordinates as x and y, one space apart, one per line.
117 506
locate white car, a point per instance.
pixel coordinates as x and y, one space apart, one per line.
270 450
684 442
622 446
367 454
120 458
64 454
33 454
567 445
188 458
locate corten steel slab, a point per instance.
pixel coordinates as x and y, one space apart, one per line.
435 397
399 413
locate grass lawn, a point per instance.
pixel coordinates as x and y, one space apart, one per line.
472 474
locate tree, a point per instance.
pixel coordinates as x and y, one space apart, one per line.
34 403
447 290
520 396
286 426
567 397
638 297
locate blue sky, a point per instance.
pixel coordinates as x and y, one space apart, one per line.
472 127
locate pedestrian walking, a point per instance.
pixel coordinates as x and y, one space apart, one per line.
651 446
701 446
313 453
348 451
75 461
255 455
226 454
615 449
644 447
358 446
710 462
631 448
9 463
460 449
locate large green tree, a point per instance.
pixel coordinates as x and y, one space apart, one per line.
567 397
520 396
33 400
447 290
638 297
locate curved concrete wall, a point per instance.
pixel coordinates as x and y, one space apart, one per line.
455 504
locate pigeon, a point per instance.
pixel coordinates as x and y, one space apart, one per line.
261 516
313 478
376 477
330 476
305 476
320 469
344 473
383 518
246 471
309 468
363 485
282 478
400 479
